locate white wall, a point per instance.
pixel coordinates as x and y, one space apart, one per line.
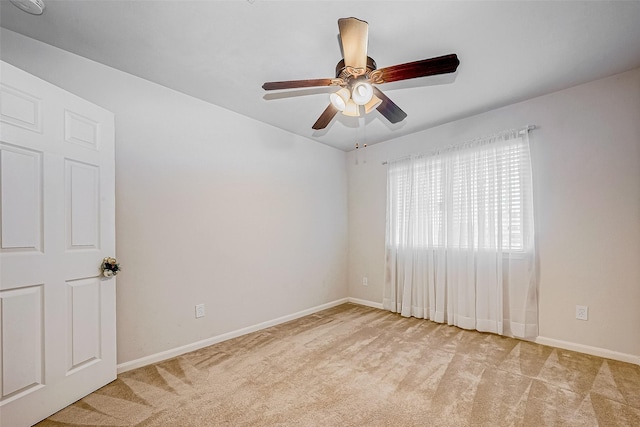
586 166
212 207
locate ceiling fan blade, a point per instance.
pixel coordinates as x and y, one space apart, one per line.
293 84
388 108
411 70
354 36
325 118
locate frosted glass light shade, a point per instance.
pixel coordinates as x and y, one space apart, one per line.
362 92
340 98
352 109
373 103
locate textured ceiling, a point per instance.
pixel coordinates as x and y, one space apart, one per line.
222 52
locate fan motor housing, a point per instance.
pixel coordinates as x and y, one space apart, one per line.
342 73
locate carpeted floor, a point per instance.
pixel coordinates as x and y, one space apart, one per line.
359 366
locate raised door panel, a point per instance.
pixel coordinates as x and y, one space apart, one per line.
22 219
21 196
20 108
82 183
21 341
81 130
84 322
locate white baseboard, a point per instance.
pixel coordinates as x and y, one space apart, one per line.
168 354
580 348
365 302
587 349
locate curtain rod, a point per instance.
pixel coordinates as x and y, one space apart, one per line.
527 128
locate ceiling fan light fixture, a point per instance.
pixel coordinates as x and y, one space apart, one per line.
362 92
356 73
352 109
340 99
373 103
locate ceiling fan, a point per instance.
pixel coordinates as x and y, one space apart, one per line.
356 74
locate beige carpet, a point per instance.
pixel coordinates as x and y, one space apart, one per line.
359 366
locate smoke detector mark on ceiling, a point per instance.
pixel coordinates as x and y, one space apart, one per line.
34 7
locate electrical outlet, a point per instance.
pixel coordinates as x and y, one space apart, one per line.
365 281
199 310
582 312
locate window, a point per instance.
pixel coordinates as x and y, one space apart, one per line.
459 244
477 196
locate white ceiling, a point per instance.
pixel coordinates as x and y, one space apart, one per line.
223 51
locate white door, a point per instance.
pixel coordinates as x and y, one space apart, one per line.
57 223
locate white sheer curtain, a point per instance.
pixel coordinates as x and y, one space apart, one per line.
460 237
